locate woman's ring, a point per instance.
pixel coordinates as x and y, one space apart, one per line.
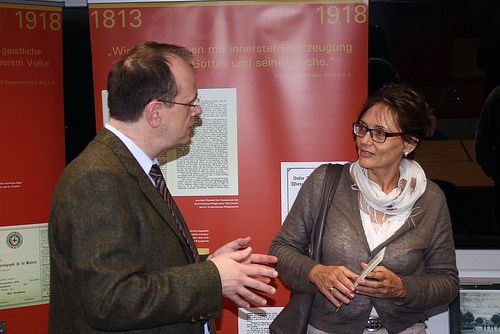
331 289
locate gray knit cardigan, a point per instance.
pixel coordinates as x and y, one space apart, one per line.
421 252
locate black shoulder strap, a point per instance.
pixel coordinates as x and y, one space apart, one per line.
330 184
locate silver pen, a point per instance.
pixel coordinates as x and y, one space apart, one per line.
371 265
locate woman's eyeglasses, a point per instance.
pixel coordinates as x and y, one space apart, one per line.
377 135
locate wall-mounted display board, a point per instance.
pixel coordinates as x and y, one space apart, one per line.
278 80
31 158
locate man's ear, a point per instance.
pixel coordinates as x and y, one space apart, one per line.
152 113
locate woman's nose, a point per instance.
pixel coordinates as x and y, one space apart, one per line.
367 138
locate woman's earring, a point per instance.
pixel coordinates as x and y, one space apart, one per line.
406 154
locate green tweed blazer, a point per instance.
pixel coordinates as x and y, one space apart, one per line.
118 259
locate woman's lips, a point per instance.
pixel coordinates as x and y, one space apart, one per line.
365 154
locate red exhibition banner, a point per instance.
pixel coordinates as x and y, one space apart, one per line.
280 81
32 157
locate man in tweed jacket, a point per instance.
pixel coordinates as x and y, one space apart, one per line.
119 261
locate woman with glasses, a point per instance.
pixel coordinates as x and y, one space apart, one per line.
384 205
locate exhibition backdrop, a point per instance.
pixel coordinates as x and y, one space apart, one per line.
280 81
31 158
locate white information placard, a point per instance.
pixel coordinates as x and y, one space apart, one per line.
293 175
24 265
256 320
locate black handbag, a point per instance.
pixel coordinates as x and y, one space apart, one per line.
294 318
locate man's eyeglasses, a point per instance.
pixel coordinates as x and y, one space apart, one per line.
378 135
196 103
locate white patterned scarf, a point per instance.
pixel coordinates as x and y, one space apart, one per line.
411 185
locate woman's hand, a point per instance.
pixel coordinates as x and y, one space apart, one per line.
381 283
334 282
